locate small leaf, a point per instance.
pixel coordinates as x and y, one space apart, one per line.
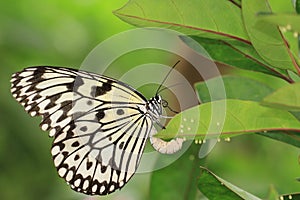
287 98
265 37
214 188
227 118
206 18
235 88
178 180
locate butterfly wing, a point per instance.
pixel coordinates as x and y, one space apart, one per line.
99 125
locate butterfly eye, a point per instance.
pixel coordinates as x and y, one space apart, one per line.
164 103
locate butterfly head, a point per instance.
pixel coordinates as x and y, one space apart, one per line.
154 106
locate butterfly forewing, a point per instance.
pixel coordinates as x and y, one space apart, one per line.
99 124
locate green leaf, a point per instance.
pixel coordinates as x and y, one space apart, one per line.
195 17
290 26
244 88
229 118
265 37
289 21
178 180
214 188
233 53
287 97
289 137
236 87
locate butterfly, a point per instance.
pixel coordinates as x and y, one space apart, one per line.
100 125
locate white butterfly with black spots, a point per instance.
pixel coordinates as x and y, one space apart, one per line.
100 125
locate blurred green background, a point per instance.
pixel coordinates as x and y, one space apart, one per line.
42 33
63 33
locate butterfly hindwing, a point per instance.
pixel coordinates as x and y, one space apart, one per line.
99 124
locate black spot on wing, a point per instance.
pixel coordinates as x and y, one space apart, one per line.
107 86
121 145
100 114
38 72
77 83
65 153
76 157
83 129
120 112
103 168
89 165
97 91
75 144
101 90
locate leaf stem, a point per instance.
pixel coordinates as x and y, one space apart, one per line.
290 53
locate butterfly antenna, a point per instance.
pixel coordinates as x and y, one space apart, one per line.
168 87
158 89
